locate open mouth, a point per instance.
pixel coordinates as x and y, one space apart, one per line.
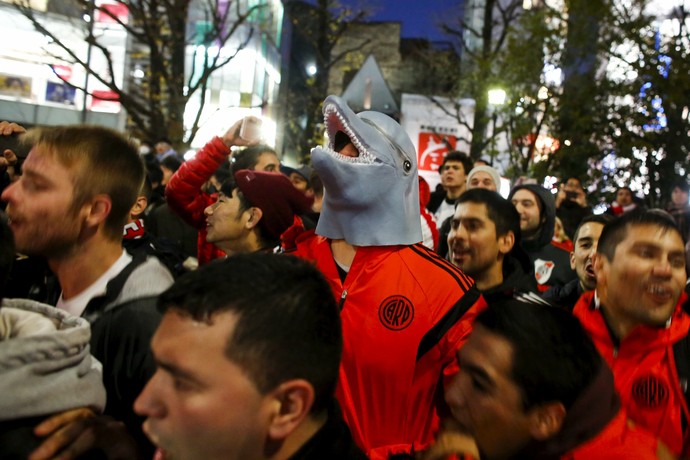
660 293
340 135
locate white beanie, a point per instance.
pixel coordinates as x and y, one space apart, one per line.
488 169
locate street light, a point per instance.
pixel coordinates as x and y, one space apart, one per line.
497 97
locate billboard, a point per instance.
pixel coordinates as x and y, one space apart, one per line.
435 130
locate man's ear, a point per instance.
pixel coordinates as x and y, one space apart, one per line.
572 260
598 263
139 207
546 420
291 404
97 210
255 215
506 242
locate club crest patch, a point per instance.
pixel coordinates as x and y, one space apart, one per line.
650 391
543 270
396 312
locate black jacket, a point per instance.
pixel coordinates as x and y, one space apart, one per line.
551 264
518 277
333 441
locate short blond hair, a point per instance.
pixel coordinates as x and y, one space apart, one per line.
102 161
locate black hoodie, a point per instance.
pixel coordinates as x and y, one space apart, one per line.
551 264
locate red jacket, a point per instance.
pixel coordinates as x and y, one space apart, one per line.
405 312
184 196
644 371
617 441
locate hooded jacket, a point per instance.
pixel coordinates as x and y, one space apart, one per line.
518 277
644 370
123 321
551 264
595 427
45 368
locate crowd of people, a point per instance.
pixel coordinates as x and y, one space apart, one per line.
230 307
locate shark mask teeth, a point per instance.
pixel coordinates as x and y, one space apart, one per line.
333 125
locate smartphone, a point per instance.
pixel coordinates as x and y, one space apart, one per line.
12 142
571 195
250 130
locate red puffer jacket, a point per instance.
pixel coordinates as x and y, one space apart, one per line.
183 193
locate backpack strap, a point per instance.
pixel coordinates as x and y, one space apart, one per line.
96 306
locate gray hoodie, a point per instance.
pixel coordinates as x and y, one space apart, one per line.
45 362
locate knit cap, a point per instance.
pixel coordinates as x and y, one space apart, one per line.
277 198
488 169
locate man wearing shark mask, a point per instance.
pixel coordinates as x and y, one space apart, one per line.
405 311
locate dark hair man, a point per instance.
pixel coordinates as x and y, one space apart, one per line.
571 205
483 242
253 211
70 206
164 149
679 207
537 210
585 242
624 202
404 309
248 353
185 194
532 385
635 318
258 157
454 169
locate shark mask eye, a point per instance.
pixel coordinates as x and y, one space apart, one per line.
407 166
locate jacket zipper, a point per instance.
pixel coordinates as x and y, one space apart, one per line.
342 299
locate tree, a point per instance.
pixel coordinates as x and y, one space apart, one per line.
161 38
317 28
507 48
642 124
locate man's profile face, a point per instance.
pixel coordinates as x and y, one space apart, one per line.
40 206
526 204
199 404
472 239
484 399
482 179
298 181
162 147
453 174
267 162
679 197
224 220
624 197
584 248
646 277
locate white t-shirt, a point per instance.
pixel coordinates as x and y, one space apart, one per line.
444 211
78 303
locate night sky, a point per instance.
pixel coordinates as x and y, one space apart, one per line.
419 17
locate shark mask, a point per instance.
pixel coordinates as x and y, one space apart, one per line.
371 199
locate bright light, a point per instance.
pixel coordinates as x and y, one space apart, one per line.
543 93
189 154
138 73
311 70
497 96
